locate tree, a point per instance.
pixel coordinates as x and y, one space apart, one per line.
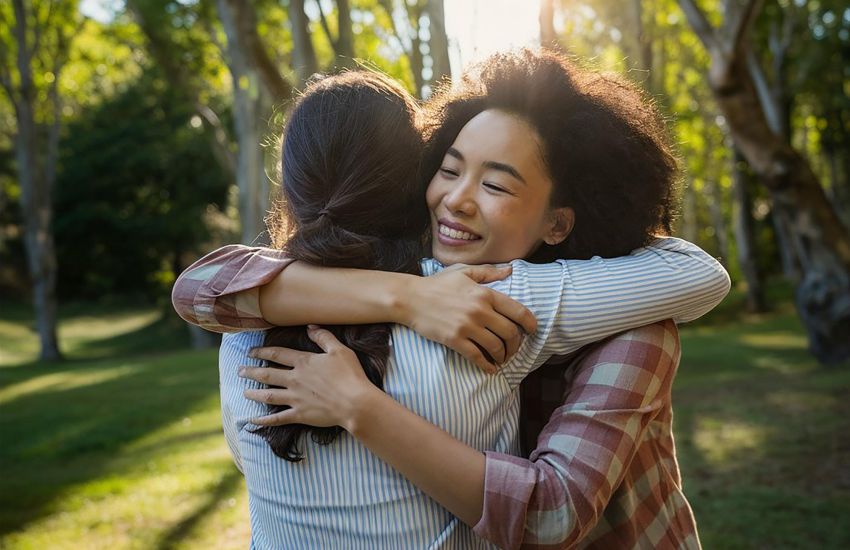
303 54
419 28
137 167
257 85
41 34
820 240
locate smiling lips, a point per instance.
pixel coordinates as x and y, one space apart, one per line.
454 234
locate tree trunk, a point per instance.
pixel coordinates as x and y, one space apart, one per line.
303 54
251 103
345 35
417 63
35 198
822 242
162 48
642 51
745 235
439 43
546 20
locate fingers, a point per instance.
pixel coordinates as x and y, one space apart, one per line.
281 356
471 352
507 331
267 376
323 338
514 311
270 396
282 418
490 343
487 273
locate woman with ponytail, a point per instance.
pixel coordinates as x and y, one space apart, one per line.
336 211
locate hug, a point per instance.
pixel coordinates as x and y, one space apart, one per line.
446 251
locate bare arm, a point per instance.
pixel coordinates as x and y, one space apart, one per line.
237 288
448 470
507 499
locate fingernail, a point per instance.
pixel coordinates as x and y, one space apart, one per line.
313 327
252 353
241 371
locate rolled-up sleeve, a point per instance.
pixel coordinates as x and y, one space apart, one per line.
557 495
221 291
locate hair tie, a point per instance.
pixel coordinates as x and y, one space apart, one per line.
325 212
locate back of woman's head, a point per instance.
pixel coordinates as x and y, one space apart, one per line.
349 191
350 197
603 143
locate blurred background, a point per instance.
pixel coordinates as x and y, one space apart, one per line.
137 135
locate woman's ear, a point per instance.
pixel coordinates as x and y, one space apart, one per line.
561 224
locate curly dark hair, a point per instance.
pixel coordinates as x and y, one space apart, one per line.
350 197
605 145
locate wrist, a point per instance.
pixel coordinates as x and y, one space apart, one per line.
361 409
399 298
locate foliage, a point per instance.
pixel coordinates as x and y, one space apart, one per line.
137 178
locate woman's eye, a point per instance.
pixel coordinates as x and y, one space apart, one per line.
449 172
494 187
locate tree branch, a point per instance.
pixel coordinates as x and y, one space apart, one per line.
387 5
743 24
46 25
324 21
245 19
766 98
703 29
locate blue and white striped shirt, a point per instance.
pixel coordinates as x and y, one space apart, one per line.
342 496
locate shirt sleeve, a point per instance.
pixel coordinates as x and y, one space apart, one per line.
577 302
220 292
555 497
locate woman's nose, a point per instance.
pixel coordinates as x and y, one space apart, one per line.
461 200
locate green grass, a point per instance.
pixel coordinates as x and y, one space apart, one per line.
120 446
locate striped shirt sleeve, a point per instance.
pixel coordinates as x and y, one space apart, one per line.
579 302
556 496
220 292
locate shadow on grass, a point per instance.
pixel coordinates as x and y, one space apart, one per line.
57 437
183 529
763 435
167 333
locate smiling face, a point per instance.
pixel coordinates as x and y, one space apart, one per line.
489 200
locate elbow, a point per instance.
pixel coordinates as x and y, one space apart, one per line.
183 306
713 287
563 526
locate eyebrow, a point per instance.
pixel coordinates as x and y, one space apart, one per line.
491 164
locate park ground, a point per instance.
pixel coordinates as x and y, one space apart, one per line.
120 446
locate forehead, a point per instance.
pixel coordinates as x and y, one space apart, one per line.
502 137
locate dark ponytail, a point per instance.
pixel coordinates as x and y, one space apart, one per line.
350 198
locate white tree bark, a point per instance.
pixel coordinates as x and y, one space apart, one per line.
822 242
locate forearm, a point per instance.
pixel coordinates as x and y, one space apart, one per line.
305 294
670 280
219 292
449 471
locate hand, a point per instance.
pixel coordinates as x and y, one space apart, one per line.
453 309
321 389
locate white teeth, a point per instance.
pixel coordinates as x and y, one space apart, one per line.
455 234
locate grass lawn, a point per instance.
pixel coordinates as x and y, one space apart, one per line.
120 446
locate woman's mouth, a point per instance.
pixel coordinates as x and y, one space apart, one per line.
455 236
